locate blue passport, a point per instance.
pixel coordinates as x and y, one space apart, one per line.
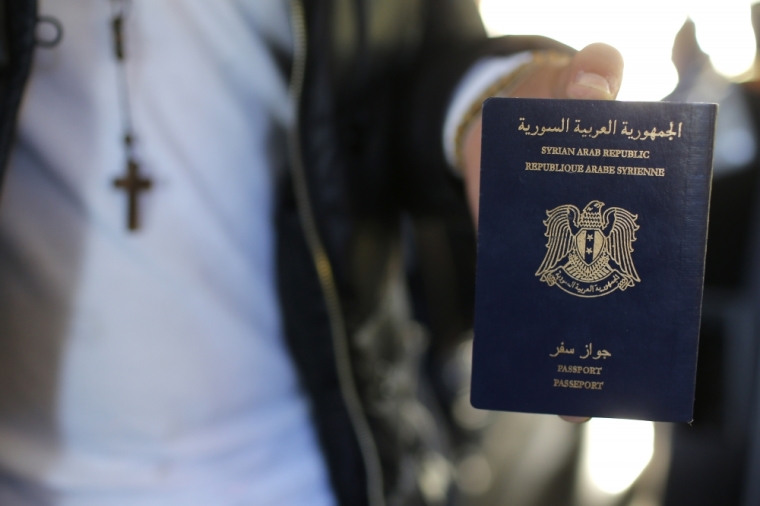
591 247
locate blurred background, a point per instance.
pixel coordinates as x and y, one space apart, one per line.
678 51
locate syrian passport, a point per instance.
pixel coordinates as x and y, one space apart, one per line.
591 247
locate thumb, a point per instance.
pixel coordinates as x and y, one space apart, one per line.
595 72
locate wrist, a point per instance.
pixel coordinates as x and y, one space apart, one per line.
527 76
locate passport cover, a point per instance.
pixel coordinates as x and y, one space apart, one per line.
591 247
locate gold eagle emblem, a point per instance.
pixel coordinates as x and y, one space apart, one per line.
589 252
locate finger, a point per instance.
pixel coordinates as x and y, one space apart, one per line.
575 419
595 72
471 162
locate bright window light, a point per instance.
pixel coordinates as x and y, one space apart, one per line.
617 451
643 31
724 31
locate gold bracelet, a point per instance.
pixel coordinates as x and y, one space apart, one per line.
504 87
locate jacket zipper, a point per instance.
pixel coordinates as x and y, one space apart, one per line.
346 381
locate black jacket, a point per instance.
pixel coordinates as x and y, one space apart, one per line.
372 81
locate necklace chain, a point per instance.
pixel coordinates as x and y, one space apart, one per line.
119 12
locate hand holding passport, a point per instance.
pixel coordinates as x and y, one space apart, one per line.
591 244
594 73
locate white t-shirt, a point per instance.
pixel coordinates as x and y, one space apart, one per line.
149 368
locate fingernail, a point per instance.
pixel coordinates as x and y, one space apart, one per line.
588 80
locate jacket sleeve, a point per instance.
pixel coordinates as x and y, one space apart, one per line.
453 40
